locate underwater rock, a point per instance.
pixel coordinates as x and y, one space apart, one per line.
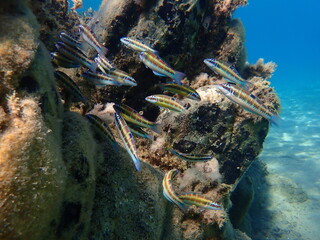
56 170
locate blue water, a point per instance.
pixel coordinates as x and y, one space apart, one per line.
287 32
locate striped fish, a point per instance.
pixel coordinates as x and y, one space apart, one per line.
104 64
91 39
199 201
122 77
191 157
70 85
227 71
137 45
247 101
182 90
168 191
131 115
67 39
160 67
127 139
103 128
167 102
76 55
139 131
100 79
63 61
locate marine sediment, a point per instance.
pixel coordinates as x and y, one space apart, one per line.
56 170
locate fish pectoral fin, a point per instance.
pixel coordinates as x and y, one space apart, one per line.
158 74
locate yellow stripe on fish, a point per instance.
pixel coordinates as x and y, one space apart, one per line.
192 157
91 39
199 201
182 90
127 139
104 64
131 115
136 45
160 67
167 102
101 80
168 191
227 71
247 101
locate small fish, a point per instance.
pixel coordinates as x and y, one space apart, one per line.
103 128
122 77
227 71
139 131
100 79
168 191
191 157
182 90
69 85
76 55
127 139
63 61
131 115
160 67
247 101
136 45
91 39
199 201
167 102
104 64
67 39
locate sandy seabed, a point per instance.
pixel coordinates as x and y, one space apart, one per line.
292 155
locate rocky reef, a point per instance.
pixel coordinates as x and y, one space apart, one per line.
60 180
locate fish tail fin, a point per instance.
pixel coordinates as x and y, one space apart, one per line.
136 161
157 128
178 76
103 51
275 120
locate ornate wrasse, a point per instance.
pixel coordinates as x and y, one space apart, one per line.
168 191
62 61
102 127
67 39
227 71
160 67
131 115
199 201
100 79
136 45
247 101
139 132
191 157
182 90
167 102
69 85
127 139
104 64
76 55
91 39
